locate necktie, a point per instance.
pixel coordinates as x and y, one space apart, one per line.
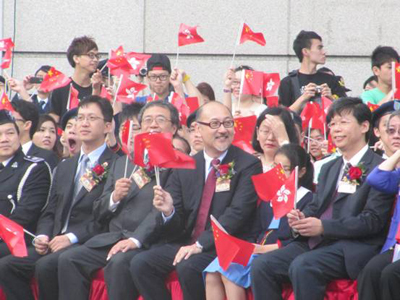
208 193
79 174
327 214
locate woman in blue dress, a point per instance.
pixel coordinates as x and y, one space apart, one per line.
269 233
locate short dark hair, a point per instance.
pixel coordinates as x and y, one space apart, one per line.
46 118
299 157
28 112
287 120
184 141
103 104
382 55
369 80
172 110
356 107
6 117
206 89
130 111
303 40
80 45
44 68
243 67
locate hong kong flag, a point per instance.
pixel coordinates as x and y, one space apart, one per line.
396 79
128 90
105 94
137 61
53 80
312 110
5 102
13 235
188 35
284 200
73 100
249 35
270 84
6 44
268 183
272 101
252 83
6 62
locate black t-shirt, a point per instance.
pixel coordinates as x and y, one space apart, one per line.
287 96
59 97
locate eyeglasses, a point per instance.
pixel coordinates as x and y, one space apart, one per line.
92 56
215 124
340 124
160 120
235 82
392 131
264 132
90 118
136 127
162 77
21 120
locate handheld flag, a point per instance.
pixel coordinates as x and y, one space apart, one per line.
128 90
271 82
272 101
372 107
188 35
396 80
6 62
5 102
73 100
269 183
137 61
252 83
249 35
13 235
53 80
244 128
285 199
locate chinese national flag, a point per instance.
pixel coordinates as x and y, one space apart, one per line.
396 80
272 101
105 94
183 109
181 161
284 200
150 99
252 83
5 64
268 183
126 137
5 102
13 235
73 100
117 52
244 128
188 35
326 103
53 80
193 103
372 106
119 65
249 35
128 90
158 146
137 61
331 145
310 111
245 146
271 82
6 44
229 248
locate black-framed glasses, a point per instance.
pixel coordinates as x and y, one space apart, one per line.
92 56
162 77
392 131
215 124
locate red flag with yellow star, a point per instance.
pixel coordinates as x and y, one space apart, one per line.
252 83
244 128
188 35
5 102
54 79
396 80
73 100
249 35
268 183
331 145
126 136
229 248
158 146
117 52
181 161
119 65
372 106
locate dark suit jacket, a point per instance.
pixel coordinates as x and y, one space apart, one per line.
134 217
234 209
81 220
24 183
359 220
49 156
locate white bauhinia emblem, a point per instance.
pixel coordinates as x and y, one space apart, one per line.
131 93
270 85
134 63
188 34
2 44
283 194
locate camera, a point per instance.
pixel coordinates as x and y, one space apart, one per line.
35 80
143 72
318 89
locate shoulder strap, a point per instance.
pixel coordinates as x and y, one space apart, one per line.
294 79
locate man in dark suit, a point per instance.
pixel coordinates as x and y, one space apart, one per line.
68 220
190 197
25 182
27 117
344 225
126 207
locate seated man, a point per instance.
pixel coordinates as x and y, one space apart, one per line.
190 197
126 207
68 220
25 181
342 228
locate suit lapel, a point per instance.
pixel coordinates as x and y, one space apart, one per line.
331 183
200 179
9 171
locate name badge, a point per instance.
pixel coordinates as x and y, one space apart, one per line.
346 188
222 185
141 178
87 182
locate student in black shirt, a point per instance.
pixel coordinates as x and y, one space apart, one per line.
306 83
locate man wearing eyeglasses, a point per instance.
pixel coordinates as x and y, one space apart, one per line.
126 208
68 219
186 241
83 56
163 81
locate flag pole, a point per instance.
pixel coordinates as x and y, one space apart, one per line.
393 79
133 171
116 92
128 146
177 58
296 180
30 233
157 173
237 43
309 134
109 75
69 97
241 89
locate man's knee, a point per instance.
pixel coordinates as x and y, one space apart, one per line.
263 264
139 265
300 265
391 272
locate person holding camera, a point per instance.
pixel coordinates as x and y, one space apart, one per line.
306 83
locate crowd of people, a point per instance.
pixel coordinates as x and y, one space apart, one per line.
65 177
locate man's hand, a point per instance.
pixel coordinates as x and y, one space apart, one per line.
97 81
294 215
41 244
278 128
59 242
163 201
176 78
326 91
121 246
309 92
122 187
228 78
185 252
308 227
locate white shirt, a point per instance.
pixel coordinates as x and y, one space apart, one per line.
26 147
5 163
354 161
209 159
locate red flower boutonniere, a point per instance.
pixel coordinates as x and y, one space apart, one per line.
99 172
354 174
225 171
